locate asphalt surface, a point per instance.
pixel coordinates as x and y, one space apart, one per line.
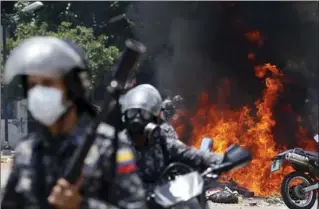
253 203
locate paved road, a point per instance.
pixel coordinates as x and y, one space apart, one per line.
250 204
247 203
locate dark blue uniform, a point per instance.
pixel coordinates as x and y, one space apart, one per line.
169 131
151 160
23 188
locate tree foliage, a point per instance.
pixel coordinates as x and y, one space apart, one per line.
95 15
83 22
100 57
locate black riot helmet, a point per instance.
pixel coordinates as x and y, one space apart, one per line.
50 57
178 101
168 109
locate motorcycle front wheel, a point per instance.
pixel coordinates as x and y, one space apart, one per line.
291 192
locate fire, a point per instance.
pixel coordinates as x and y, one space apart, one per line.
249 127
255 36
227 127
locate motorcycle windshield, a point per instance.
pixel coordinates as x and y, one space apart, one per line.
182 189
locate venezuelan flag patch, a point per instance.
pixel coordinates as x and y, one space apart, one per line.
125 161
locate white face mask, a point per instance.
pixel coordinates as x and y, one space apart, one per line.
45 104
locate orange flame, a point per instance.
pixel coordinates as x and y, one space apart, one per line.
251 56
255 36
227 127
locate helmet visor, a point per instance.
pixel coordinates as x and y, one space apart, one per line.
132 113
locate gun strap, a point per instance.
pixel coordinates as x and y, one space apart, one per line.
115 144
164 149
42 190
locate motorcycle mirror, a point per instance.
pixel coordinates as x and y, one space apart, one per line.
207 144
236 156
316 138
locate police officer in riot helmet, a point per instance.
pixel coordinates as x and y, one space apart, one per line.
171 108
167 112
168 109
54 75
141 108
178 101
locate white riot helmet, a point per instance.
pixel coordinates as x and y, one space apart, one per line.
49 57
52 58
140 106
144 96
43 55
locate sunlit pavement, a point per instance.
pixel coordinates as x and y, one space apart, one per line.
5 170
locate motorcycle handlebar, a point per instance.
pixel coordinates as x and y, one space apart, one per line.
217 169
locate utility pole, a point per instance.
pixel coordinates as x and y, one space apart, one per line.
4 101
1 96
1 100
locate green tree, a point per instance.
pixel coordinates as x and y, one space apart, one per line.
100 57
93 14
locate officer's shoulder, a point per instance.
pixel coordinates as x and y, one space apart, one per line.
106 135
105 130
26 144
124 139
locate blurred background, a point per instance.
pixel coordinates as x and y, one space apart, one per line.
248 71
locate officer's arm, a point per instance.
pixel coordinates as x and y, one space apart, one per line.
11 199
179 152
168 131
129 192
125 192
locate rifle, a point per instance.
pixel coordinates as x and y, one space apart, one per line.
110 113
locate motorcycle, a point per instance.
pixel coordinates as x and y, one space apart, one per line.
186 190
302 194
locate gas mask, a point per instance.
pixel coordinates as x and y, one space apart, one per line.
152 132
139 121
45 104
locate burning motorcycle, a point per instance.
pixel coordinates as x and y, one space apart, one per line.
181 187
299 189
213 191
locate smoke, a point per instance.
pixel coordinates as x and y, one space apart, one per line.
179 37
195 44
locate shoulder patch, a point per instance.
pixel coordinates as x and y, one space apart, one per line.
125 161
